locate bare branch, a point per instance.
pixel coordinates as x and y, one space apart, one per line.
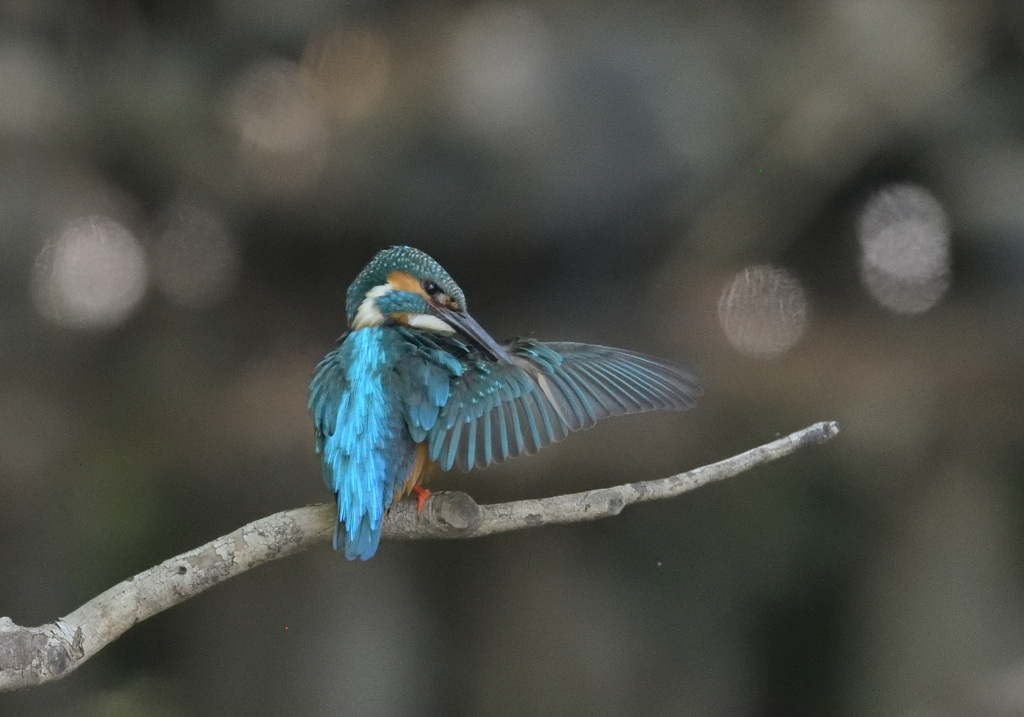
35 655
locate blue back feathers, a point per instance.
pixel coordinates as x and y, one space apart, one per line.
362 456
388 388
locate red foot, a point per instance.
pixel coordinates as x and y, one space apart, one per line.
421 497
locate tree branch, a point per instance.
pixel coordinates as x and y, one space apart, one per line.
35 655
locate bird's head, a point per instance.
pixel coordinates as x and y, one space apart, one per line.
402 285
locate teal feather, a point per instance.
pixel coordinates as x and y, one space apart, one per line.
585 383
355 429
398 258
389 387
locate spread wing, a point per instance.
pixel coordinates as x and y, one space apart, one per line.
477 412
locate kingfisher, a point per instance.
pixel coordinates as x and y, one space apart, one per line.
416 382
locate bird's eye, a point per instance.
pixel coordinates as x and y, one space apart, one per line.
430 287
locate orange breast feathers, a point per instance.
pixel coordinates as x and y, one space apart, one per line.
421 465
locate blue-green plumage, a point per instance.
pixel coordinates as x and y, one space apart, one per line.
359 433
415 374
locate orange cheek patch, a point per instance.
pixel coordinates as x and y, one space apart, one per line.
403 281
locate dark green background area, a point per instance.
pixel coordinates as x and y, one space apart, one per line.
586 171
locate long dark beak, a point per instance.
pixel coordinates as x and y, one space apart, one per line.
468 327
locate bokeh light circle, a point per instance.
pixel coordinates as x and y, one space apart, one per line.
500 57
274 109
195 257
93 275
904 243
763 311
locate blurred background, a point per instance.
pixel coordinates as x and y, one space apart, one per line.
819 206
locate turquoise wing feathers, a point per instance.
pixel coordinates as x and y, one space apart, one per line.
417 381
329 384
472 413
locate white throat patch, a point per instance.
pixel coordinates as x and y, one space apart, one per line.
429 322
368 314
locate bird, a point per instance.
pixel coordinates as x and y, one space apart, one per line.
416 382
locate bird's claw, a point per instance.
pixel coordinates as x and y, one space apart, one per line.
421 497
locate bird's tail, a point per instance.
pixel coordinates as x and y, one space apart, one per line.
359 543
